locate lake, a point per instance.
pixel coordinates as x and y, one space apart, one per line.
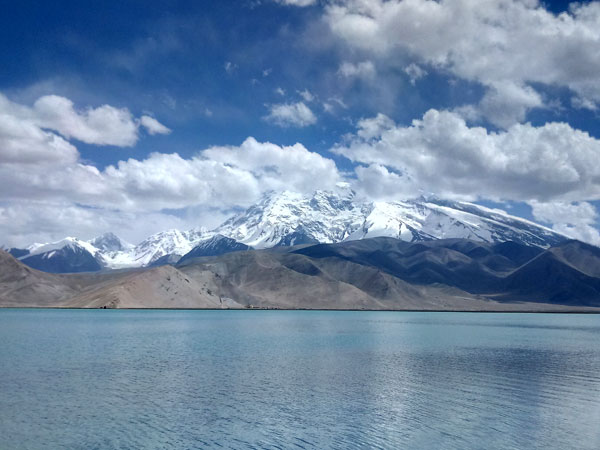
101 379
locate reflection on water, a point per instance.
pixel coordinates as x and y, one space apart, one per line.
281 379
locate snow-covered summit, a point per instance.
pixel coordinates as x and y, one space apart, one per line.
289 218
109 242
71 243
169 242
67 255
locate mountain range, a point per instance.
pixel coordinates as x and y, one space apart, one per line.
283 219
373 273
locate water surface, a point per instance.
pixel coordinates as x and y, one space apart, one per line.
101 379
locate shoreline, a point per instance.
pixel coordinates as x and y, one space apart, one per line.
495 311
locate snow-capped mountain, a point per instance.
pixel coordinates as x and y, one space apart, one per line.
110 252
166 243
288 218
108 242
72 243
67 255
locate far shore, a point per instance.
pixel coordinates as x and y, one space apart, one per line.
583 310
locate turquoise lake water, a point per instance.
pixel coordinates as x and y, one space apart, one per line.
103 379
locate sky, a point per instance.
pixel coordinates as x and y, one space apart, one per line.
139 116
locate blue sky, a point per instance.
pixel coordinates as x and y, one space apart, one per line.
173 114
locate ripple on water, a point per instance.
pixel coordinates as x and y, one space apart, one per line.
250 379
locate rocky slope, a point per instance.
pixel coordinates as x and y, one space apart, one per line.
378 274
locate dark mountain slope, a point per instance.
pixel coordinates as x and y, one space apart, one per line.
69 259
549 278
565 274
216 245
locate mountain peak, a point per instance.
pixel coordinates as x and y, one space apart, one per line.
69 242
109 242
289 218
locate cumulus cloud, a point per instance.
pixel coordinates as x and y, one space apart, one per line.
503 44
443 154
364 70
52 115
378 182
218 177
291 115
105 125
503 104
577 219
278 168
40 170
153 126
374 126
23 142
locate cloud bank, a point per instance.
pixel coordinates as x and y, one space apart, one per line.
41 172
508 46
442 153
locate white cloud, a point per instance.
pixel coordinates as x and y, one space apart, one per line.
219 176
364 70
504 104
153 126
130 198
230 67
583 103
444 155
291 114
278 168
577 220
23 142
377 182
414 72
170 181
41 172
306 95
497 43
334 103
299 3
27 130
105 125
280 91
374 127
26 222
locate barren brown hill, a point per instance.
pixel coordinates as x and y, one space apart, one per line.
377 274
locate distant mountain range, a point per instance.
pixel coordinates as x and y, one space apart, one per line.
286 219
373 273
